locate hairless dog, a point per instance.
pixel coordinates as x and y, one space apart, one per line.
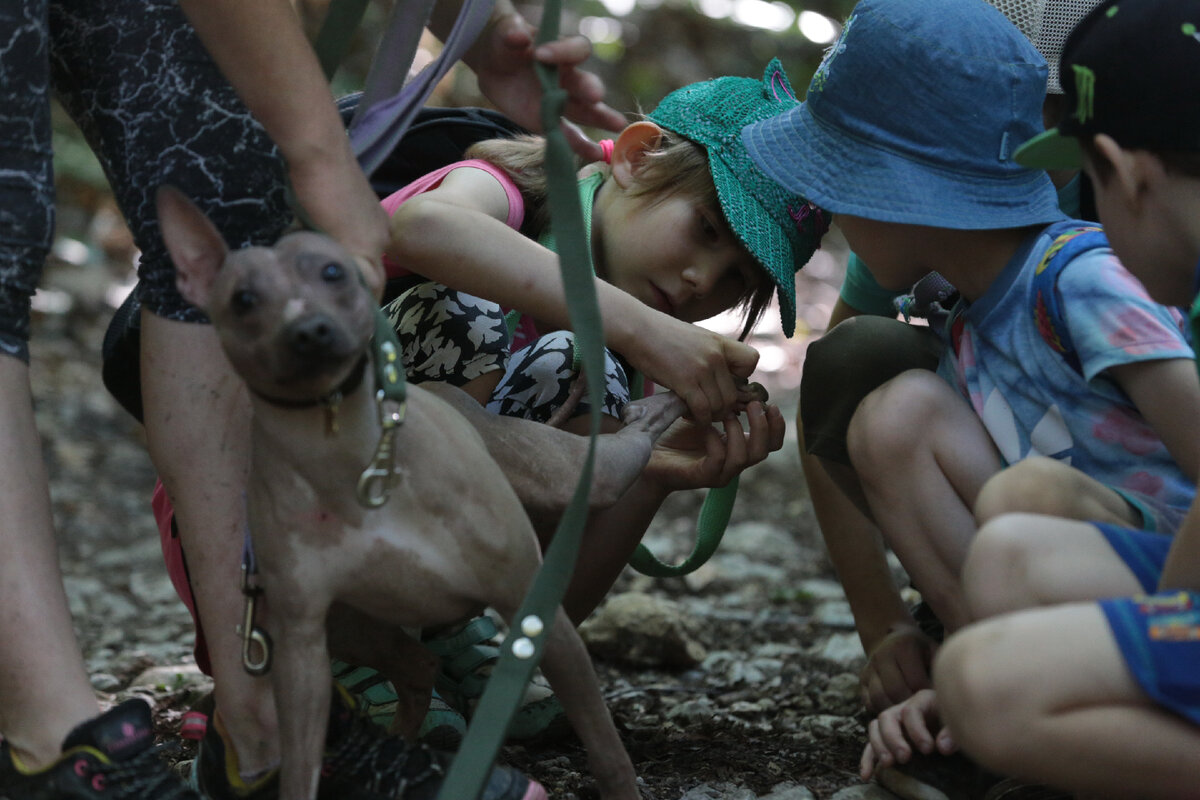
295 322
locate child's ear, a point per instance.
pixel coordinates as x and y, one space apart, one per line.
630 150
1131 171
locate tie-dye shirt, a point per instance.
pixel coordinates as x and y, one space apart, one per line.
1033 402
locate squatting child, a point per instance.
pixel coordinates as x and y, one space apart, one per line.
682 226
1103 699
927 182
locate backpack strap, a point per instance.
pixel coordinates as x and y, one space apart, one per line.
1071 239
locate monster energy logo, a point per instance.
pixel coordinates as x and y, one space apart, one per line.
1085 87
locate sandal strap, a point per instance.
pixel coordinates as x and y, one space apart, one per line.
477 631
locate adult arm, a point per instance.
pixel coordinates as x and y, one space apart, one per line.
261 48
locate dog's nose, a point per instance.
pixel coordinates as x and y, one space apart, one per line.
311 335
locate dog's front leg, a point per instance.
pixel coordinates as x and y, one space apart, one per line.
301 681
568 667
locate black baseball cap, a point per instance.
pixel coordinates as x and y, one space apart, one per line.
1131 70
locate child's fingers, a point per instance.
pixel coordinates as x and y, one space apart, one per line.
912 720
945 742
883 755
866 764
891 734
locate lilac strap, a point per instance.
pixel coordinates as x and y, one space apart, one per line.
387 108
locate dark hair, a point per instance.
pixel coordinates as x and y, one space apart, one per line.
676 166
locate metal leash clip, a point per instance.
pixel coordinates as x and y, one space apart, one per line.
252 634
380 476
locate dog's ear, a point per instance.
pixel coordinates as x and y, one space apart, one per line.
195 244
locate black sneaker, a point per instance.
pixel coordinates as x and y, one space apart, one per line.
111 757
361 763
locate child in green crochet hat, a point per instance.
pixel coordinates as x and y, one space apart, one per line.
682 227
678 191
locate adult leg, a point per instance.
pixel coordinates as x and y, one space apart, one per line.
44 688
921 479
1046 695
166 115
1020 561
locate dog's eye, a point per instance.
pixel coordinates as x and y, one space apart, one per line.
243 301
333 272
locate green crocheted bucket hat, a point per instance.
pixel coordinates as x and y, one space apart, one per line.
781 229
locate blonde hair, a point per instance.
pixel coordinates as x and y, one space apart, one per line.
675 166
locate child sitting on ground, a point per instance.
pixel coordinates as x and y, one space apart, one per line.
928 186
1101 699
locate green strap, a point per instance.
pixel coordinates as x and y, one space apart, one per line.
523 647
710 529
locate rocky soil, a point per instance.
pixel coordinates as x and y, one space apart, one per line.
737 682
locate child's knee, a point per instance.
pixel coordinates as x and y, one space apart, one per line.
887 425
1034 485
978 697
997 568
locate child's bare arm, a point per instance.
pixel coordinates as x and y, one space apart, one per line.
454 234
1167 393
1182 570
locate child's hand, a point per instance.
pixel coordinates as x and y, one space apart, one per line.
503 61
705 369
691 455
897 667
893 734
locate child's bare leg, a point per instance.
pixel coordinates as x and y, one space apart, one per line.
1023 561
1045 695
922 456
1042 485
898 654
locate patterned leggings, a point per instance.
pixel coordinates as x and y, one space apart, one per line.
456 337
154 108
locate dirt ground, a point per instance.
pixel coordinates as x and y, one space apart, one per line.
767 693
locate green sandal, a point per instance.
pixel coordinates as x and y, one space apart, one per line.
443 728
467 659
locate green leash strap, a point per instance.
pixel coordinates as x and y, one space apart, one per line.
525 643
710 529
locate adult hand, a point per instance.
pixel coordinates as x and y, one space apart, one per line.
897 667
503 60
339 201
897 730
692 455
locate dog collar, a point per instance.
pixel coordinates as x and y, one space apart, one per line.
331 400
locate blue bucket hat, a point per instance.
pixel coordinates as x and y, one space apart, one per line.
913 117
